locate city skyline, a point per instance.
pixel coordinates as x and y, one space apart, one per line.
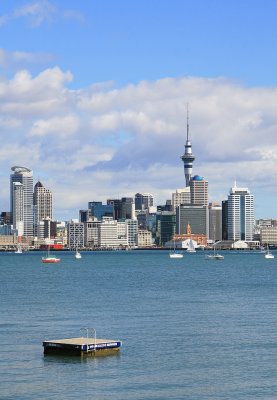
96 106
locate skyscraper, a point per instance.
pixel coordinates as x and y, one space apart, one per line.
198 190
188 157
24 176
240 214
197 216
143 201
43 207
215 221
18 208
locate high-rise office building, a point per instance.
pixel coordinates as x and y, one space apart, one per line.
240 214
99 210
117 209
225 220
24 176
128 208
43 205
197 216
215 221
143 201
188 157
165 226
18 207
181 196
198 191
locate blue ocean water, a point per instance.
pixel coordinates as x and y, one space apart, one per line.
191 328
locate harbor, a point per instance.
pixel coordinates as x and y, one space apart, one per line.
183 326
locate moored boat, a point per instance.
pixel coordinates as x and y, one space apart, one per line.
78 255
49 259
268 254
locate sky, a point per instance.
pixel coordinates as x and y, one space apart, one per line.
93 97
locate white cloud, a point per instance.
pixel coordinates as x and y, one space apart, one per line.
102 141
58 126
40 11
11 61
37 12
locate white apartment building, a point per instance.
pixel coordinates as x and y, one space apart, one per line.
112 233
240 214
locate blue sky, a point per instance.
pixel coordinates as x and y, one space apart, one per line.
93 97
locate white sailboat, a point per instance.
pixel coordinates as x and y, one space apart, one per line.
18 250
174 253
215 256
268 254
191 248
78 254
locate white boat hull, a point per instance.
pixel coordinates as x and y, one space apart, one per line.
176 255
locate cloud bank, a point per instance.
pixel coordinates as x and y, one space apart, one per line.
105 142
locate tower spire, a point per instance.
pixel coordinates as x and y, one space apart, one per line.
187 121
188 157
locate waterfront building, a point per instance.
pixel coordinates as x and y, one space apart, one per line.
91 233
24 176
188 157
43 205
268 235
215 222
181 196
75 235
196 216
144 238
143 201
240 214
112 234
132 232
183 241
8 242
198 191
165 226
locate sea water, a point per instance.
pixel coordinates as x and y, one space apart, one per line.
190 328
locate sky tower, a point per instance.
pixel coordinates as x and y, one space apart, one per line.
188 157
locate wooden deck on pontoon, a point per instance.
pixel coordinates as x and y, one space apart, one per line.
81 346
